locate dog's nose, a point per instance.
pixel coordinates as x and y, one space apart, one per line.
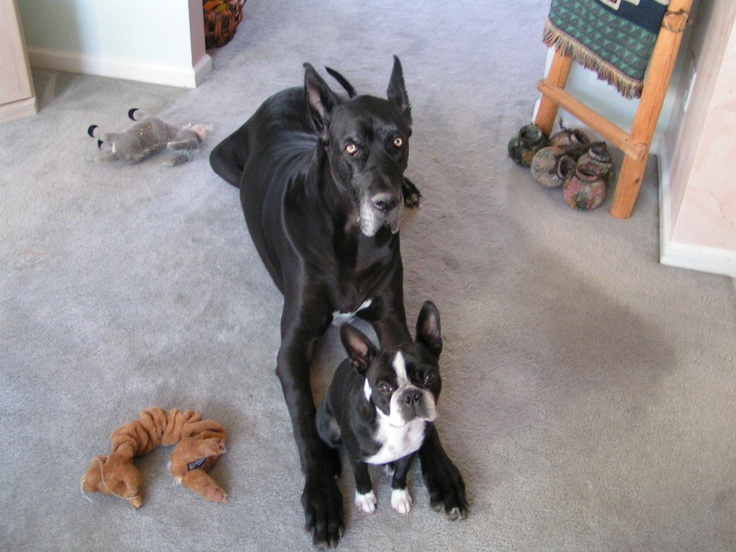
384 201
412 398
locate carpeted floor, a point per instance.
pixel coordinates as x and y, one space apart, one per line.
589 392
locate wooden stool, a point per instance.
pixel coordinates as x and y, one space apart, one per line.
635 144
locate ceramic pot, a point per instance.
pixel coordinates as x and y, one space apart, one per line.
527 142
569 137
601 158
586 189
551 167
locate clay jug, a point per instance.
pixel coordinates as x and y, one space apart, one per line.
569 137
601 158
586 189
551 167
526 143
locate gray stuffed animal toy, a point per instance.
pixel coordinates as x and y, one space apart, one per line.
148 136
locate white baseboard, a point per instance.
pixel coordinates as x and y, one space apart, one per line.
19 109
697 257
685 255
76 62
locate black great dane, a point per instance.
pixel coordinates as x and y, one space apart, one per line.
322 186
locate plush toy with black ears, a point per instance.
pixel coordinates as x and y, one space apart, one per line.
148 136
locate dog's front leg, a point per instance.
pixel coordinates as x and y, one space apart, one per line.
387 314
321 499
444 482
401 500
365 498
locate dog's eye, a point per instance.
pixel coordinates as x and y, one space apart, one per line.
398 142
430 378
385 388
352 149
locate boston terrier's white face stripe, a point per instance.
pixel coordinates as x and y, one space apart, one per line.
402 378
400 369
395 417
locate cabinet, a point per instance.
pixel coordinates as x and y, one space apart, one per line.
17 97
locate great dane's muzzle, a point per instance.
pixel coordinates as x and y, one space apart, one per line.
382 208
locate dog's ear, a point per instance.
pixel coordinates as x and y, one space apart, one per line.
428 328
320 100
397 91
359 348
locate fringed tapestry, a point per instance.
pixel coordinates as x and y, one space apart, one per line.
615 38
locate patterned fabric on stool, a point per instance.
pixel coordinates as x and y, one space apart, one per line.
615 38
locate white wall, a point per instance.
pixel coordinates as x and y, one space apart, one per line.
160 41
698 196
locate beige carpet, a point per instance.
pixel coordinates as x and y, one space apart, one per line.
590 393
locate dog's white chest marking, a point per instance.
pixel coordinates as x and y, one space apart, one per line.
396 442
339 318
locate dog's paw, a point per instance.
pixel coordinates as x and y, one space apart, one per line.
411 193
401 501
322 503
366 502
412 201
445 484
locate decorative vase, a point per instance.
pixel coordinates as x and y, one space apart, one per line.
221 20
551 167
586 189
601 158
569 137
527 142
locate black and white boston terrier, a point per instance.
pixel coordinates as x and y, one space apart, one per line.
380 405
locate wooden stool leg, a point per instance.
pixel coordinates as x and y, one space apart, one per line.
650 106
558 73
627 186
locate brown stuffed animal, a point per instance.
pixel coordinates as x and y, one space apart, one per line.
200 444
